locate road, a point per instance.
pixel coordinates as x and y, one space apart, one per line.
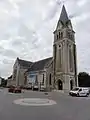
67 108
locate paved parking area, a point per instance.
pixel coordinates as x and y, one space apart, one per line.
66 107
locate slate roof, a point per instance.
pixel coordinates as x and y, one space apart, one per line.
39 65
24 63
64 17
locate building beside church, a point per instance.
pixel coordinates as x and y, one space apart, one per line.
57 72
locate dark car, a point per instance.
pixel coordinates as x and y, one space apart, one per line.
17 90
11 89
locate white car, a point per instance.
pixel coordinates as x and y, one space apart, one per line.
79 91
42 88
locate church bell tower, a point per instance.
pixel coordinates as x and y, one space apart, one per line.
64 54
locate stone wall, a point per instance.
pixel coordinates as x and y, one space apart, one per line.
21 77
11 82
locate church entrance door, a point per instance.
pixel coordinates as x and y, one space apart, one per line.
60 85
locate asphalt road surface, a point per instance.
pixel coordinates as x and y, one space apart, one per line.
67 108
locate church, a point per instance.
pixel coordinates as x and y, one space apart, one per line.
58 72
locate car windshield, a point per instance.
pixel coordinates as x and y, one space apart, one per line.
75 89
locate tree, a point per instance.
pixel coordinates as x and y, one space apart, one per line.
84 79
4 82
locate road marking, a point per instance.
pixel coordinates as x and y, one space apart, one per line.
34 102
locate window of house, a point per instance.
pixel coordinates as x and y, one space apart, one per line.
43 79
50 80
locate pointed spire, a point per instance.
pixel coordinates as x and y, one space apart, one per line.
64 17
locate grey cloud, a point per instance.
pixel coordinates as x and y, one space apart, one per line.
52 10
31 38
9 53
6 61
25 31
74 15
1 50
5 71
79 10
16 43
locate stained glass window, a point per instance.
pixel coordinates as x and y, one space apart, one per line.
50 81
61 35
70 59
60 57
43 79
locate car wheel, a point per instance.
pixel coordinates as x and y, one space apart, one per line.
87 94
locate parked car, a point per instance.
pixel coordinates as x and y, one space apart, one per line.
79 91
11 89
34 86
17 90
29 86
42 88
14 89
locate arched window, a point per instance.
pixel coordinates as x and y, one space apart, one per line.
60 58
57 37
61 35
70 59
70 36
68 33
50 79
43 79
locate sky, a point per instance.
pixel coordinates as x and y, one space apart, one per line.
26 30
